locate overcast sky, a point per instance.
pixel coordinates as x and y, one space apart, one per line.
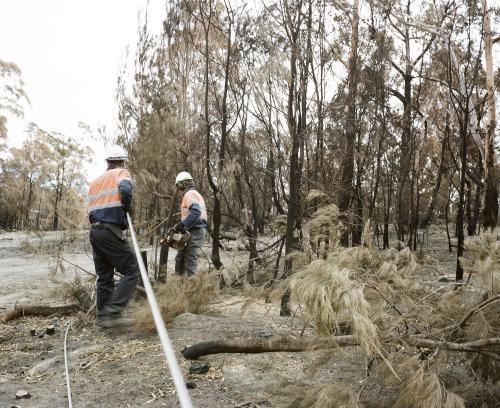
70 52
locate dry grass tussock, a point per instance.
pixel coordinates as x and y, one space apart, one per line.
331 297
81 290
338 395
178 295
324 226
364 259
381 296
484 258
315 195
424 389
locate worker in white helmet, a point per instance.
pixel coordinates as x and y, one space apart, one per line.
109 198
193 220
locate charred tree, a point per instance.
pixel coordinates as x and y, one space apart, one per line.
346 183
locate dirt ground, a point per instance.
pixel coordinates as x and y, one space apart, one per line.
127 368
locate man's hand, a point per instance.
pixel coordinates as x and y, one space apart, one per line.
128 208
179 227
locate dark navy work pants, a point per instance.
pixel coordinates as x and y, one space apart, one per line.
110 254
186 260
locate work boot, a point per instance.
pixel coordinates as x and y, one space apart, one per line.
107 322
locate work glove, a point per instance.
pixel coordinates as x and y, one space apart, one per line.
168 233
179 227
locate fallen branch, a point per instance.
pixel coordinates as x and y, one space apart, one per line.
39 310
460 324
266 345
477 309
476 346
289 344
139 288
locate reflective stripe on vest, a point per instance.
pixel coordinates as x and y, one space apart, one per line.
189 198
103 191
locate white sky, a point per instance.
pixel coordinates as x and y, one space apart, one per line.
70 52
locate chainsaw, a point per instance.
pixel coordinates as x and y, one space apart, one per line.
176 240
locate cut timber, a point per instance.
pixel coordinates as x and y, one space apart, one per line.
266 345
39 310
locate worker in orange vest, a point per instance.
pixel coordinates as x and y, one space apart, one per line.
109 198
193 220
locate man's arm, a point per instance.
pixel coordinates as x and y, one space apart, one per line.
125 188
191 220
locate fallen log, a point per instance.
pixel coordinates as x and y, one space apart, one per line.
290 344
39 310
266 345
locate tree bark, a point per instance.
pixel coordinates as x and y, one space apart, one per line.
162 269
346 184
294 176
289 344
216 219
442 167
459 275
39 310
490 207
286 344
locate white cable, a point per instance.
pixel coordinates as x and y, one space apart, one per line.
70 403
173 366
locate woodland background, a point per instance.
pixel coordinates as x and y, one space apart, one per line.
327 138
374 111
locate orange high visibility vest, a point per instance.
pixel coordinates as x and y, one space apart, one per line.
190 197
103 191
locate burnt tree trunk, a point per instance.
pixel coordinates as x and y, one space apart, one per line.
442 168
295 170
162 269
490 208
459 274
346 183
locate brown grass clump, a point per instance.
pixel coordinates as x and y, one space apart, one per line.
424 389
389 273
280 223
324 226
315 195
179 295
486 323
331 297
298 258
484 258
81 291
359 259
338 395
405 260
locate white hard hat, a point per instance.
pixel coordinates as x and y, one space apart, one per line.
116 153
182 176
